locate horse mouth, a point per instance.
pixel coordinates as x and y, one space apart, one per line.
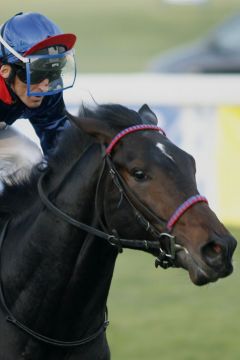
200 273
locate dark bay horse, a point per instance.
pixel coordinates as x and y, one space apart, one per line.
114 181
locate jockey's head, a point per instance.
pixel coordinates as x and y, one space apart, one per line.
37 56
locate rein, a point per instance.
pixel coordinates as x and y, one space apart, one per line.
47 340
165 257
113 239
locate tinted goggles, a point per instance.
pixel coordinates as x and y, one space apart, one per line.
53 63
58 69
37 76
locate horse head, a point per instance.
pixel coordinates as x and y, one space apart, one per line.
155 189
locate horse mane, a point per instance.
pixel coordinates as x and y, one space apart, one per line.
18 195
117 117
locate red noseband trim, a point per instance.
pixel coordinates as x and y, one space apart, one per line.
183 208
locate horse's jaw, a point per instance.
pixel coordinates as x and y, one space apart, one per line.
199 272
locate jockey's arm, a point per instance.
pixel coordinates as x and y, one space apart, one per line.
50 121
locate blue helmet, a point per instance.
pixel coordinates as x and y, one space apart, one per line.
38 51
29 32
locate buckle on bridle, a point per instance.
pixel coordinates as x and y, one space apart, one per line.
115 241
166 258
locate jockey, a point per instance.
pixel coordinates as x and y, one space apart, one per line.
36 64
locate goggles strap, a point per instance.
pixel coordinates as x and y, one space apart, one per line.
4 45
12 51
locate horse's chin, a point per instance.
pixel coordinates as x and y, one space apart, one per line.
198 273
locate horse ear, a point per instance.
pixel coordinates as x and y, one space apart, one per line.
92 126
147 115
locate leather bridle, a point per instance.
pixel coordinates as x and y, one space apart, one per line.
163 243
166 256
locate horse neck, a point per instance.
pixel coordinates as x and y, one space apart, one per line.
73 268
76 184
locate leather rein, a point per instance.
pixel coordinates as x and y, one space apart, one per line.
166 255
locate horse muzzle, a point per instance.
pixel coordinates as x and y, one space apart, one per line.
213 262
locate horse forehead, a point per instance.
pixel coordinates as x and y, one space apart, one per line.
149 142
164 150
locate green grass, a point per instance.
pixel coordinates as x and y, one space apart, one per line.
157 314
123 35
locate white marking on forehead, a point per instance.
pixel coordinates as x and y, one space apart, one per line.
162 148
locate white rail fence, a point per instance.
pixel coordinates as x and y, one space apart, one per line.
199 113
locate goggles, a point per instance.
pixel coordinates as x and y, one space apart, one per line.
55 71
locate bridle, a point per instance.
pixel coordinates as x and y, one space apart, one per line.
166 255
164 246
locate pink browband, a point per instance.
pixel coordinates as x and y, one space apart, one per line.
130 130
183 208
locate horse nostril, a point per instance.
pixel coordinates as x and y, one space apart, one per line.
213 254
216 248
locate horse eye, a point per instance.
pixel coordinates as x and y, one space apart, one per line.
139 175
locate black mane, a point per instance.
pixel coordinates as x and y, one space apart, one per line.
73 141
19 195
116 116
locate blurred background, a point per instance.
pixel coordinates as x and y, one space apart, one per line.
125 36
182 57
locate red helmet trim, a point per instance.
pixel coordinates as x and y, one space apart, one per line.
67 40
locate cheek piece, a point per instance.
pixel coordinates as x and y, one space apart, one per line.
165 259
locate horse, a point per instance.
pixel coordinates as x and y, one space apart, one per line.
114 181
